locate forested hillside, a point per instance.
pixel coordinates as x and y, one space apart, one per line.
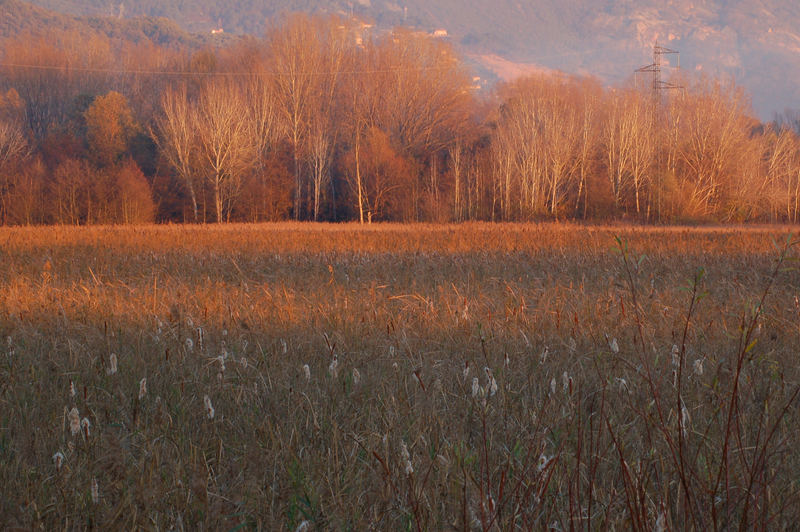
754 41
329 119
22 19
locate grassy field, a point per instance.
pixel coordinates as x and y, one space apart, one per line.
484 377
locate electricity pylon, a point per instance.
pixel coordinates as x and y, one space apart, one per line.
655 68
658 87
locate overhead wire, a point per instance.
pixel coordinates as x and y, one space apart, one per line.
90 70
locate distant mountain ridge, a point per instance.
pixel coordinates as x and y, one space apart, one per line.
757 42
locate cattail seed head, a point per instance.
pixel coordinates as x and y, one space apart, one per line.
491 383
86 427
356 377
404 451
142 388
333 367
189 345
698 367
475 387
71 388
408 468
58 460
209 407
543 461
307 372
661 522
95 491
465 372
553 385
614 346
112 364
686 420
74 421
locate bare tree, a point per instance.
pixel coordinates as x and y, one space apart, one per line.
13 148
226 140
176 137
618 141
540 133
641 117
457 157
296 59
780 153
362 92
13 145
589 143
715 128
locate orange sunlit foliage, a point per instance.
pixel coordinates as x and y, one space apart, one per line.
109 128
327 118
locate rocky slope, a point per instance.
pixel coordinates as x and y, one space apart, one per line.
757 42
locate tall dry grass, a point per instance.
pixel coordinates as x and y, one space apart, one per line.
626 387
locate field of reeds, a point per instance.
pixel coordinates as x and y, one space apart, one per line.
472 377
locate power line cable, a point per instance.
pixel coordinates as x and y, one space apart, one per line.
67 68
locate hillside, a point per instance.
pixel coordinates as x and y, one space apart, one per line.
754 41
22 18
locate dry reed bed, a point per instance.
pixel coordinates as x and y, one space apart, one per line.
595 413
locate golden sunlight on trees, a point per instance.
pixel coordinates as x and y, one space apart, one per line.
175 135
132 195
14 148
71 186
227 146
109 128
297 57
327 118
378 171
714 129
629 145
539 146
426 105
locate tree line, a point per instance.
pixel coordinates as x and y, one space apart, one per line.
324 119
